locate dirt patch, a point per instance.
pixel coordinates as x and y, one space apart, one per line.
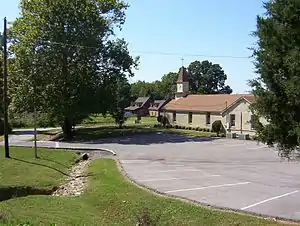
77 181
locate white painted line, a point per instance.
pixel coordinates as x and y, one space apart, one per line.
56 145
202 188
178 170
268 200
167 179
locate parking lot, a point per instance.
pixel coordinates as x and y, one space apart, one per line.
226 173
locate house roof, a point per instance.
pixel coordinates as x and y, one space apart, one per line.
160 103
208 103
140 100
183 75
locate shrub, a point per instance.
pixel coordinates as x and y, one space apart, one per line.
222 135
176 126
159 118
217 127
190 128
164 121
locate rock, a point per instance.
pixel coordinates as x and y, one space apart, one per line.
82 157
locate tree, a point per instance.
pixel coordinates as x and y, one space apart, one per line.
121 98
67 59
168 85
207 78
163 89
277 86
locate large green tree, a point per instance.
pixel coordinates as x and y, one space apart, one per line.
207 78
66 57
277 86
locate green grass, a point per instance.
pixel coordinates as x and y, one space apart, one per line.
100 120
23 170
112 200
94 133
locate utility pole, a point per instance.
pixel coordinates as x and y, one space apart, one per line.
5 90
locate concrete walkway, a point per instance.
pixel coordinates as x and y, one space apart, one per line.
234 174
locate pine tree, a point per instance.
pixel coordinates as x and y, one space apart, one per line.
277 87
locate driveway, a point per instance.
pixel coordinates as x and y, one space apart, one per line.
233 174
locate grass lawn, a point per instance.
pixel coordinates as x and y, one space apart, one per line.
112 200
94 133
100 120
23 170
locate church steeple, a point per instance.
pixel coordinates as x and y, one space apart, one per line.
182 83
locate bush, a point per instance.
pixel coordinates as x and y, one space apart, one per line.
217 127
164 121
222 135
190 128
176 126
159 118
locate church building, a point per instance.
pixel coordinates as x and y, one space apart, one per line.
202 110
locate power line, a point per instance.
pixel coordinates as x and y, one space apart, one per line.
161 53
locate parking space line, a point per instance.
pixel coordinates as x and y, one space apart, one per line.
207 187
178 170
166 179
268 200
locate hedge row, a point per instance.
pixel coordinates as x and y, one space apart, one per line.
184 127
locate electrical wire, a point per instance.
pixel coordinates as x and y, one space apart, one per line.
161 53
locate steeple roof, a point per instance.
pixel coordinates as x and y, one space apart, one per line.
183 75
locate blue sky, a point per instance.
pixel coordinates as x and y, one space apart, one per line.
190 27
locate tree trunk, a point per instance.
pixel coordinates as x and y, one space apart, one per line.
67 129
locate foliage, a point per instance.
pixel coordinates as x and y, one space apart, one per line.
67 59
207 78
163 89
217 127
121 98
277 86
159 118
164 121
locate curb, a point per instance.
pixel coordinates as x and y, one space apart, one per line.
201 204
71 148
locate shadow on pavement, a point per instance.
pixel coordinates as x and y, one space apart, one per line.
151 138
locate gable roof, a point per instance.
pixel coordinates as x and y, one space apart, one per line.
160 103
142 100
139 100
207 103
183 75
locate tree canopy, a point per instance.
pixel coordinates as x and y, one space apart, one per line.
277 86
207 78
66 57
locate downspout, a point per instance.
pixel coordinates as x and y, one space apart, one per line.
241 122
